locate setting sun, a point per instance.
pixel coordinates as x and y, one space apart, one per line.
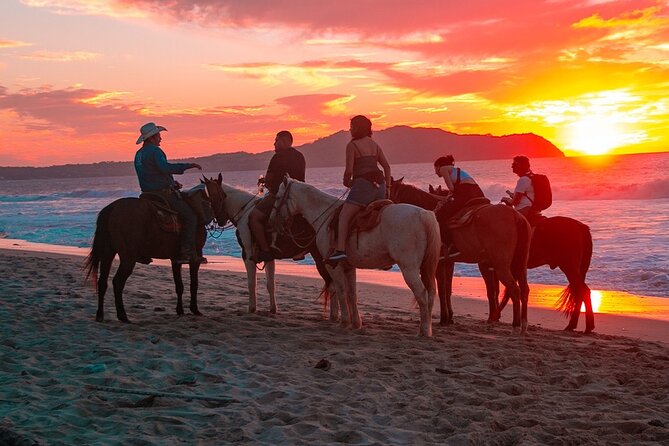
594 136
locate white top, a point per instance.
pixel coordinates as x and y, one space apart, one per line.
524 186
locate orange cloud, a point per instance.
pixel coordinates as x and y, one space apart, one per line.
50 56
13 43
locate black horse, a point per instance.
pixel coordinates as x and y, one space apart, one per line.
560 242
130 228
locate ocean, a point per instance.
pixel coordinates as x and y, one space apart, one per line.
624 199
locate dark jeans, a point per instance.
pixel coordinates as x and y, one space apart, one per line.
463 193
188 221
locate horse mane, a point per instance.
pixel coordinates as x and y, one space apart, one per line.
416 194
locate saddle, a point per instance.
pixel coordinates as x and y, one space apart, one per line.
168 219
466 215
365 220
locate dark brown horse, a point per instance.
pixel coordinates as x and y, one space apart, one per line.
129 227
497 238
560 242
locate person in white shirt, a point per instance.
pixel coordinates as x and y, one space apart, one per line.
523 195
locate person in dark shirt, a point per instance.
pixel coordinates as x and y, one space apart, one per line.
286 160
154 173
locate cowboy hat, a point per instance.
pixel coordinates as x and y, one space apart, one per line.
148 130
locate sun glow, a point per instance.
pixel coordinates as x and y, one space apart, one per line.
596 299
595 135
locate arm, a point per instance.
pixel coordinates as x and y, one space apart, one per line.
172 168
350 157
386 168
446 175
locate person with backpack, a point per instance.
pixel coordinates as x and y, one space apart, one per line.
532 193
462 188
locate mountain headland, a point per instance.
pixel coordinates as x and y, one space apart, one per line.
401 144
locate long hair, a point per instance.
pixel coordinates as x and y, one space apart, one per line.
361 127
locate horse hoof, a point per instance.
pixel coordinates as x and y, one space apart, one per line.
125 320
195 311
180 311
99 317
516 330
589 331
569 328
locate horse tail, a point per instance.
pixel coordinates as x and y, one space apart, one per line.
101 245
567 300
327 278
428 267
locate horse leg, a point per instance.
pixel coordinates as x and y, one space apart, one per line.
412 278
179 286
512 291
251 280
270 269
352 298
341 290
103 276
589 314
124 270
492 291
194 284
445 288
572 297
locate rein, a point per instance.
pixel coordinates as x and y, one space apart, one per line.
283 228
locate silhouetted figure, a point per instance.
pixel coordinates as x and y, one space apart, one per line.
362 174
462 187
286 160
154 173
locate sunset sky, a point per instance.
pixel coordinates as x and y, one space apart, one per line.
79 77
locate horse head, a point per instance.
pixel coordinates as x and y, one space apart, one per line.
283 210
217 196
394 188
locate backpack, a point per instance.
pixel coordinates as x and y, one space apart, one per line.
543 196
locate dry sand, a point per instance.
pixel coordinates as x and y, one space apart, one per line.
472 383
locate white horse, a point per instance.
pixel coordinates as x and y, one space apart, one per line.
237 205
406 235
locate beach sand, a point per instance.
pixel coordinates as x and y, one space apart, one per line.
233 377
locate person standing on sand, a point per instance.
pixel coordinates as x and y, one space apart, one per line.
286 160
363 176
154 173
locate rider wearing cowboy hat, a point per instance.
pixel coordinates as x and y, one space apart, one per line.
155 175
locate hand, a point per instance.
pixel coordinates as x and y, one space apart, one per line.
177 185
196 166
506 200
509 193
348 182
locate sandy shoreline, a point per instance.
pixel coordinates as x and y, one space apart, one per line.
472 383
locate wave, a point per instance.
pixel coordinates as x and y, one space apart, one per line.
651 190
74 194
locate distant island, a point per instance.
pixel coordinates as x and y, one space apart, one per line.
401 144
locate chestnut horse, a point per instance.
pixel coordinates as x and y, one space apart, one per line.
129 227
560 242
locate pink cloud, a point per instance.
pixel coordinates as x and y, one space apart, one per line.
47 126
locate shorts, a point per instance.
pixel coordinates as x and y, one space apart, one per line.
364 192
266 204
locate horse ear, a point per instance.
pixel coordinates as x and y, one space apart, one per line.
220 177
430 188
286 177
400 180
